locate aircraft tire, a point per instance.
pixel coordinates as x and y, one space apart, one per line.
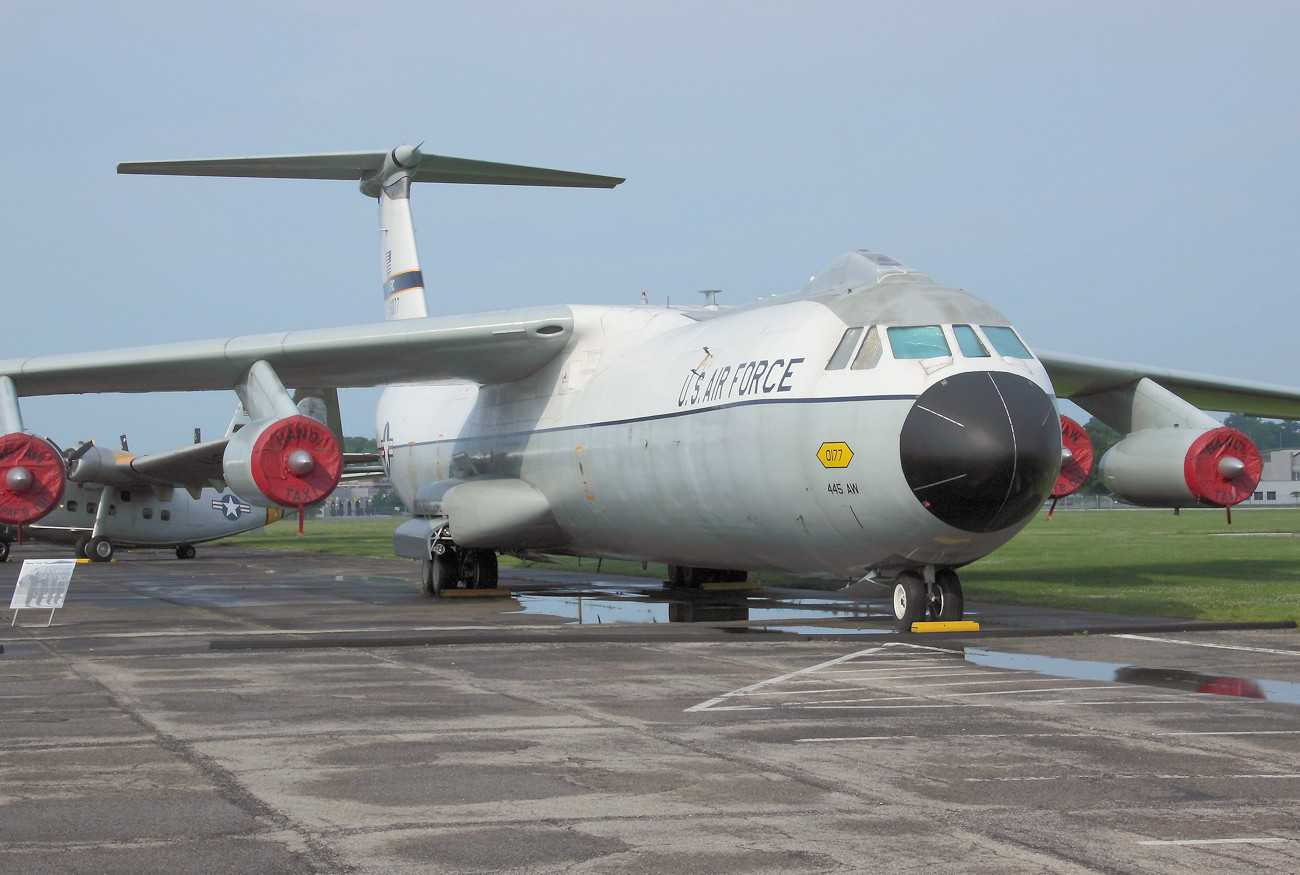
909 599
479 569
99 549
79 547
4 551
438 573
948 602
186 551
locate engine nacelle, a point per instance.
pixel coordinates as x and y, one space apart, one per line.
31 478
290 462
1183 467
95 464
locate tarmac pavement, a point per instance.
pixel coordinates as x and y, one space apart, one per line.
250 712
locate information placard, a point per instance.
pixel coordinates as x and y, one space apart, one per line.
42 584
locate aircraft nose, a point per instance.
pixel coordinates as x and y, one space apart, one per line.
981 450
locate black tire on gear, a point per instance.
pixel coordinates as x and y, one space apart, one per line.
99 549
948 603
909 599
479 569
438 573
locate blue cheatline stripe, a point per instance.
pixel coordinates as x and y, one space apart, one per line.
412 279
674 415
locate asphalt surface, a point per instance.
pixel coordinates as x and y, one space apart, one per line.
248 712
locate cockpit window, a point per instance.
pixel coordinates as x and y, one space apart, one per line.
969 342
1004 340
869 355
844 351
918 342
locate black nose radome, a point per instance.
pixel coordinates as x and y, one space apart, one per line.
981 450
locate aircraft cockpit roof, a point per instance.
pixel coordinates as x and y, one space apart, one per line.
869 288
855 270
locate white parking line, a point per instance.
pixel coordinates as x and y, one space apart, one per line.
948 736
1094 688
1215 646
996 680
1236 732
824 702
1251 841
712 704
1104 777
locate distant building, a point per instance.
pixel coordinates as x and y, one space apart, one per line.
1280 478
355 498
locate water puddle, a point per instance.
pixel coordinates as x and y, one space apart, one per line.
1168 678
797 615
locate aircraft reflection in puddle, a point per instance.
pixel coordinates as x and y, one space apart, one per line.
757 612
1170 678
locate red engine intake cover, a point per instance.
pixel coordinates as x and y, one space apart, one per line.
1203 472
31 478
271 468
1074 472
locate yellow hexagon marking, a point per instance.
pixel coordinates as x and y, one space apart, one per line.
834 454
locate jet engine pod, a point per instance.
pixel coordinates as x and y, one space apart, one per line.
31 478
1076 458
1183 467
290 462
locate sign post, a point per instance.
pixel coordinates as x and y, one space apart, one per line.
42 583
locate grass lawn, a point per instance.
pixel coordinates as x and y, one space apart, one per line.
1150 562
1122 561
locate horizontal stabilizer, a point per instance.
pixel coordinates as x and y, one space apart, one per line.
359 165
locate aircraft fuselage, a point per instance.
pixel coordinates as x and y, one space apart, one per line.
730 439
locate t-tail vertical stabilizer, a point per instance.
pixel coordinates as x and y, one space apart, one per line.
399 259
386 176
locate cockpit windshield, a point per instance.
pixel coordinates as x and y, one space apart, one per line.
1006 342
918 342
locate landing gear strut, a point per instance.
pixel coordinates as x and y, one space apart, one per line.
915 600
458 568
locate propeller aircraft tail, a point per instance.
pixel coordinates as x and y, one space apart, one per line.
386 176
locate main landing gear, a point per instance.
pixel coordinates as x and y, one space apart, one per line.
458 568
915 600
95 549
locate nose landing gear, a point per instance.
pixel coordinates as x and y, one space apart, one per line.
915 600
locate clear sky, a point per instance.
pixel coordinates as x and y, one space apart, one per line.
1121 179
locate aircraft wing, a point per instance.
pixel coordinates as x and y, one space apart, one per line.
192 467
485 348
1077 377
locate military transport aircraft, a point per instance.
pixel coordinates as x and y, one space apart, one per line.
96 519
874 425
